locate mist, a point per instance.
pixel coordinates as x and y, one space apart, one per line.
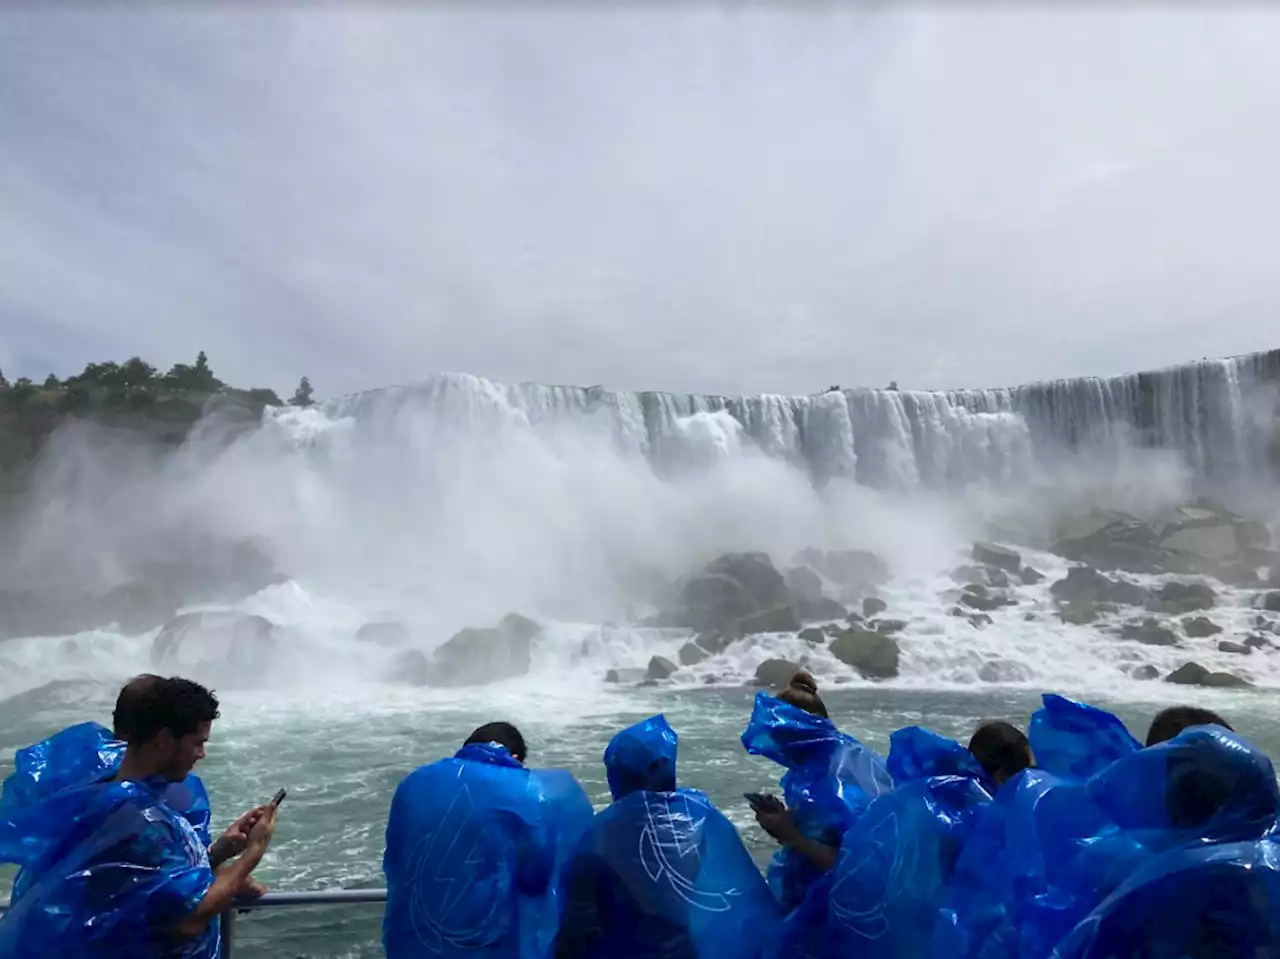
702 200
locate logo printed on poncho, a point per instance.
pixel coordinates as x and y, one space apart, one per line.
666 832
886 852
446 866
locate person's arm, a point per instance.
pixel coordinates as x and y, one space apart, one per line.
229 878
781 825
236 839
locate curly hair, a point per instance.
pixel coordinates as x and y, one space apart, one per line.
149 704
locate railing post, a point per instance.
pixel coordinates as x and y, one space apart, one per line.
228 920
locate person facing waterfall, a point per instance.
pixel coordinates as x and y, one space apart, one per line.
474 848
661 873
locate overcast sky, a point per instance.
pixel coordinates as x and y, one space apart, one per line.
701 201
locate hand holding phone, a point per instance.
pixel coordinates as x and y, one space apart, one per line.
762 802
278 798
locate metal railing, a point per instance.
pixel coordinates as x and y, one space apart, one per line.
273 900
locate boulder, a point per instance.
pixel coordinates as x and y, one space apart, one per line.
691 654
813 636
998 578
1258 642
1031 576
388 633
1178 598
1119 542
1085 584
833 629
872 606
889 626
472 656
710 601
1271 602
194 642
1150 633
803 583
1003 671
660 668
984 601
1193 674
716 641
779 619
874 655
755 571
1001 557
1145 672
775 673
412 668
1078 613
1215 543
858 570
1198 627
964 575
820 610
629 676
1242 649
980 620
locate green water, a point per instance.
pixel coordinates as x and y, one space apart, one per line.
342 755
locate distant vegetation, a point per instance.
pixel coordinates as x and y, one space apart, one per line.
135 384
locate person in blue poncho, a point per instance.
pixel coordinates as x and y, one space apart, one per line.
474 847
112 870
1168 723
898 857
1075 740
830 779
661 873
88 753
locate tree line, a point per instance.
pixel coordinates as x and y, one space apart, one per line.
136 378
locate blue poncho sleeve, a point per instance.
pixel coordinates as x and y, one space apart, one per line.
830 779
72 757
111 870
1075 740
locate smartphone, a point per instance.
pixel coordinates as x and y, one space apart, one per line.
278 798
761 802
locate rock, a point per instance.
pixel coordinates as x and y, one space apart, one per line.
964 575
1084 584
779 619
1252 535
1078 613
1215 543
756 573
389 633
412 668
716 641
630 676
871 606
889 626
1150 633
1145 672
858 570
1001 557
874 655
1242 649
1271 602
1200 628
977 589
775 673
195 642
833 629
1027 617
813 636
1003 671
820 610
1258 642
1178 598
1031 576
710 601
473 657
998 578
1119 542
854 619
1193 674
612 676
660 668
803 583
985 603
980 620
691 655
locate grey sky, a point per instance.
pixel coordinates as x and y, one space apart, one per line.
701 201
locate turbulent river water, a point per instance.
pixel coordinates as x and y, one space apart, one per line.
455 502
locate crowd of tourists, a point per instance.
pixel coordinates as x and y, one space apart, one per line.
1072 840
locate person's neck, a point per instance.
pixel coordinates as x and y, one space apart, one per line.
135 767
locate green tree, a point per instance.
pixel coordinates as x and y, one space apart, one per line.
302 395
198 378
21 391
893 385
3 382
51 382
137 372
264 396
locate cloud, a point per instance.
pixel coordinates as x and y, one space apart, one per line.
732 202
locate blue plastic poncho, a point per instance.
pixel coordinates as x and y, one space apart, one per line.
661 873
1202 902
474 845
830 780
918 753
89 753
1075 740
111 869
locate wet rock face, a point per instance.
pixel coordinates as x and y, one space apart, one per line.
1193 674
775 673
874 655
473 657
1001 557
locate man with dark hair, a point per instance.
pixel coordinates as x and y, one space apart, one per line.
474 843
1002 750
1172 721
113 869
